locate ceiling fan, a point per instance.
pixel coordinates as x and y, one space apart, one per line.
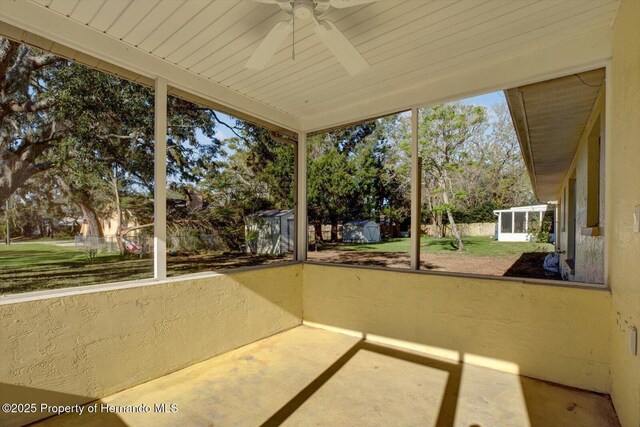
326 31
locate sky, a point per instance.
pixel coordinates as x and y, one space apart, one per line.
223 132
486 100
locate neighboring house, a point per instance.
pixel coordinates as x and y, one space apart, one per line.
270 232
516 224
110 225
361 232
561 128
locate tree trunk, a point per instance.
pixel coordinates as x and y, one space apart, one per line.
83 200
16 167
439 225
11 180
94 226
116 193
317 229
454 228
334 230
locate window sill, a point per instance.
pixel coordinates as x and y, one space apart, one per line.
482 277
590 231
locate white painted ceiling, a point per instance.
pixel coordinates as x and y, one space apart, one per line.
407 43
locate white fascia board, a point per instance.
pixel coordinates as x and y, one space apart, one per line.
60 29
586 52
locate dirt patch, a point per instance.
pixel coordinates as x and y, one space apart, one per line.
177 265
450 262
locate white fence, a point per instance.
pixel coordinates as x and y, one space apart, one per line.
109 244
474 229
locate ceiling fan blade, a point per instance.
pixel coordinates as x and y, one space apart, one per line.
269 45
341 4
341 47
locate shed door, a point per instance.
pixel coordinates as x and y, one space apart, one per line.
290 235
371 233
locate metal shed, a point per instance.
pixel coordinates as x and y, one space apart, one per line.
361 232
270 232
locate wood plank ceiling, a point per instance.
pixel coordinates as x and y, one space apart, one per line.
407 43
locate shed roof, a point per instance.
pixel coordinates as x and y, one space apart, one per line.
531 208
271 213
360 223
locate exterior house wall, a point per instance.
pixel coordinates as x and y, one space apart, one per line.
110 225
553 333
623 193
85 344
588 255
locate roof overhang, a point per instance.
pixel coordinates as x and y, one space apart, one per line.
550 118
421 53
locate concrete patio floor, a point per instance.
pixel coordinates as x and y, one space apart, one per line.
308 376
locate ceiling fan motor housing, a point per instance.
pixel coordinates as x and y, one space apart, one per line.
303 9
325 30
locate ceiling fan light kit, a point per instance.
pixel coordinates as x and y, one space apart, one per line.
325 30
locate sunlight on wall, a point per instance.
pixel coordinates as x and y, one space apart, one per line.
623 193
552 333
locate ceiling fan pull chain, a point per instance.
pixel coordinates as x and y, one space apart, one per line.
293 38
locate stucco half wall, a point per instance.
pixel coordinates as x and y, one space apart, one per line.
553 333
623 194
86 345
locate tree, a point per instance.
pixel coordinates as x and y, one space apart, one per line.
446 134
85 124
330 191
343 177
28 126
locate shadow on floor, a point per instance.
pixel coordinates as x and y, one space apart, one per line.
572 405
450 399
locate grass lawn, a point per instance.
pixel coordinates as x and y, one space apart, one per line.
38 266
473 246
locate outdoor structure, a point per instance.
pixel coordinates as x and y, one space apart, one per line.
418 347
575 176
515 224
270 232
361 232
109 226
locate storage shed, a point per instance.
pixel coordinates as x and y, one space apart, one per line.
270 232
514 224
361 232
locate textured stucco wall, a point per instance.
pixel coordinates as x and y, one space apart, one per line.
589 259
553 333
75 348
623 193
589 250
